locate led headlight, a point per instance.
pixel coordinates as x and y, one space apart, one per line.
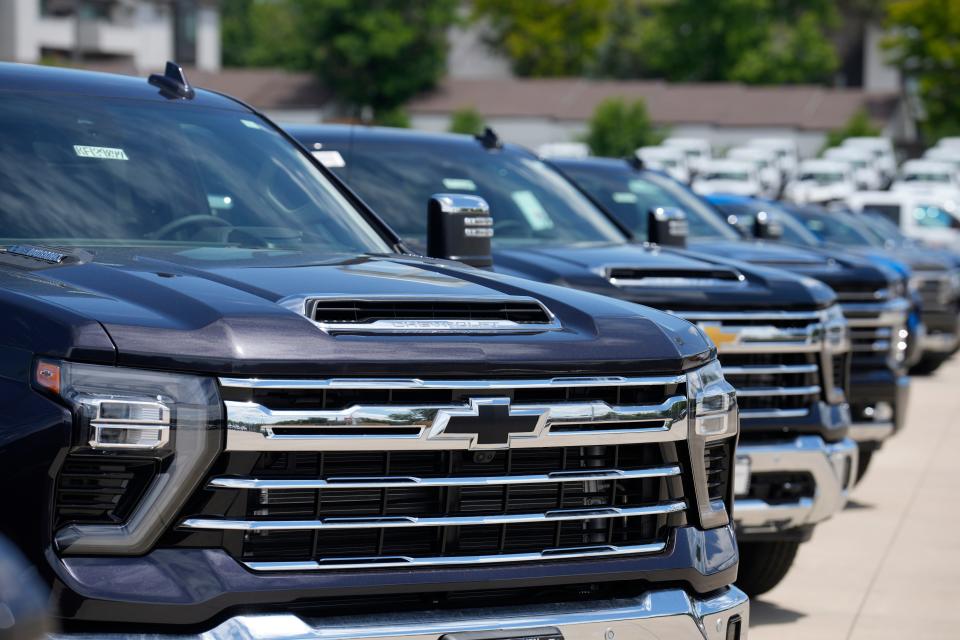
120 413
714 421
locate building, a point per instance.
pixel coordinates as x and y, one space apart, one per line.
141 34
538 111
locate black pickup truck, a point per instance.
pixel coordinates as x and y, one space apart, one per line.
872 296
782 339
236 405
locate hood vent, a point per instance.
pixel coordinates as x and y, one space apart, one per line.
418 315
641 277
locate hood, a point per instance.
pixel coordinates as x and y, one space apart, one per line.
664 278
840 270
229 311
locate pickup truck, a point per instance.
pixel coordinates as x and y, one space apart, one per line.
783 341
236 405
871 295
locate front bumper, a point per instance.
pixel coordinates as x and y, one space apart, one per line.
833 468
669 613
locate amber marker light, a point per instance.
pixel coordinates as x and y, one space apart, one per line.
47 375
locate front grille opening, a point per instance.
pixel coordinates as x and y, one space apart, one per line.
781 487
638 273
775 400
716 459
369 311
100 489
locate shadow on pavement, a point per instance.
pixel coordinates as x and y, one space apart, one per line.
856 505
762 612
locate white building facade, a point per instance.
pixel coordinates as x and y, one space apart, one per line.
141 34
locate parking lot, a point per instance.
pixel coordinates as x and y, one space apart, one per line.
887 567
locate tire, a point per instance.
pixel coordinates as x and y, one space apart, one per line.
764 564
863 462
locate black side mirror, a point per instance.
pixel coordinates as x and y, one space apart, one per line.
766 227
667 226
459 227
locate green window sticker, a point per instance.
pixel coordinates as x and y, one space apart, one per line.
537 217
459 184
625 197
101 153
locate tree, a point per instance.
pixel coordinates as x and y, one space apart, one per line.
859 124
617 128
545 37
466 120
373 54
925 45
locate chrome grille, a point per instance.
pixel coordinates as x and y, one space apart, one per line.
776 360
385 486
875 332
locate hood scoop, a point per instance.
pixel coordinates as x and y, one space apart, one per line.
672 278
399 315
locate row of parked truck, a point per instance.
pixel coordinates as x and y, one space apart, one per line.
350 382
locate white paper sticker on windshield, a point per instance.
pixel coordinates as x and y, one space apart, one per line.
537 217
330 159
639 186
625 197
459 184
102 153
250 124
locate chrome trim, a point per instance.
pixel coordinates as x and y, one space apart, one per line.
758 392
776 369
810 454
722 328
301 305
416 383
400 522
660 613
160 424
404 562
585 475
774 413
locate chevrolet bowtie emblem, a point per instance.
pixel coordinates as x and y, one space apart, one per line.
489 421
718 335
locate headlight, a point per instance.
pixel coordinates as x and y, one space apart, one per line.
123 414
714 425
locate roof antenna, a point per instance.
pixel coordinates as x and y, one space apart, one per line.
489 138
173 81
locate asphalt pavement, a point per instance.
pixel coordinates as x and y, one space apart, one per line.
888 566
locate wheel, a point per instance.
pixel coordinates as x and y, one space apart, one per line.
764 564
863 462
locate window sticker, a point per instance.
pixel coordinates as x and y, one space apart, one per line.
330 159
459 184
250 124
537 217
640 186
219 202
101 153
625 197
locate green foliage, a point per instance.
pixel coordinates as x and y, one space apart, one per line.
370 53
859 124
466 120
397 117
546 37
926 47
618 127
752 41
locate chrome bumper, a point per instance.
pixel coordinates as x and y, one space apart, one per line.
834 470
939 342
670 613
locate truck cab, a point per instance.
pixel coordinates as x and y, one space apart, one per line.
928 216
781 337
237 406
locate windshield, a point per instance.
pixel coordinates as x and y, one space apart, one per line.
821 178
122 172
738 176
530 202
630 195
941 178
793 231
839 228
881 225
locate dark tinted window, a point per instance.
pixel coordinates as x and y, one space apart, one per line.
130 172
529 201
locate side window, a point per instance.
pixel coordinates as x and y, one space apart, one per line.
889 211
932 217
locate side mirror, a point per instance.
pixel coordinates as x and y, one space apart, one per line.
459 227
667 226
766 227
